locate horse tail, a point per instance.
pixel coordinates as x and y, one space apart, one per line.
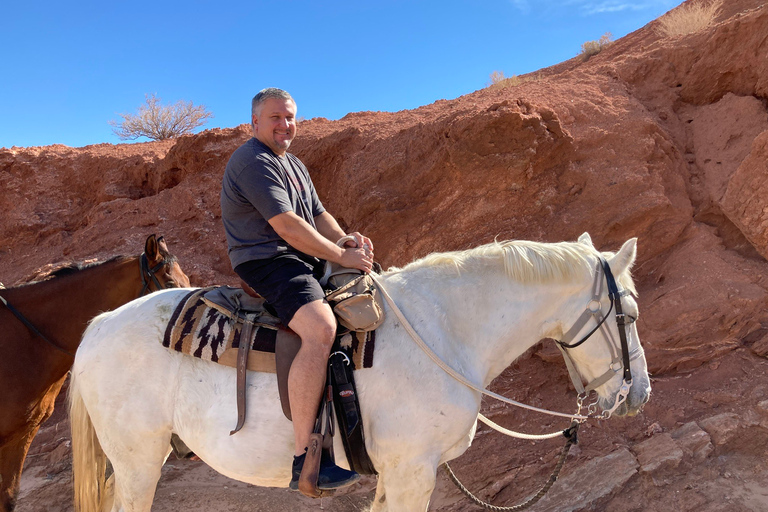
89 462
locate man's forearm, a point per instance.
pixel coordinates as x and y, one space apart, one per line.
301 236
328 227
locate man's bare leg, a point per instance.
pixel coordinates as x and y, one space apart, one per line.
316 326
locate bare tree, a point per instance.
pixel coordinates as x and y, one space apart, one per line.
159 122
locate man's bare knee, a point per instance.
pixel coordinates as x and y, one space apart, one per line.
315 324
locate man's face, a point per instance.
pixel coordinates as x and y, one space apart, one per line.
275 124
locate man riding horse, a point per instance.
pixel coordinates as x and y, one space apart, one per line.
278 233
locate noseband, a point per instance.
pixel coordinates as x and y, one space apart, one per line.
619 360
148 274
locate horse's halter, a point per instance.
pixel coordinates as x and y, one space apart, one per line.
619 360
148 274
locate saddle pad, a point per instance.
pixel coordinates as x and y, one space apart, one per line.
202 331
198 329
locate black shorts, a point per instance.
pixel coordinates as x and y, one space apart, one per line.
287 282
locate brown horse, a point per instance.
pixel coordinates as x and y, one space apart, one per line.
38 343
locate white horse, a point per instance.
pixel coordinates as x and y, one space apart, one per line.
478 310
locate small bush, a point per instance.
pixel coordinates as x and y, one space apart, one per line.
160 122
499 81
590 48
689 18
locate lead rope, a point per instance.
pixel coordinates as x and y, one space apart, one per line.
572 438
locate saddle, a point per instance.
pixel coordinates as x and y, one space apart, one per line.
361 315
235 327
225 325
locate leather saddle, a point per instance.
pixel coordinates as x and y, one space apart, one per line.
244 305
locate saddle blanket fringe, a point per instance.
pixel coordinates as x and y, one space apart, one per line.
202 330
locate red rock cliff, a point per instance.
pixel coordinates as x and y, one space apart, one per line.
660 138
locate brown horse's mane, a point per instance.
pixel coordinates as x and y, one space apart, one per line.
65 269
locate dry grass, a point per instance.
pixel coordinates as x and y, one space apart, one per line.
590 48
689 18
499 81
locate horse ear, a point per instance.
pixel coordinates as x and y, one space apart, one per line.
152 250
625 258
586 239
162 246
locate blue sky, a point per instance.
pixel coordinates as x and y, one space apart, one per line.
70 67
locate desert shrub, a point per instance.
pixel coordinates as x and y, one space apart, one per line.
159 122
590 48
689 18
499 81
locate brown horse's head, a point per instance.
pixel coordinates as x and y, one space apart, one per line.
162 265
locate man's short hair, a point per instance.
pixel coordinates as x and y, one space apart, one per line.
264 94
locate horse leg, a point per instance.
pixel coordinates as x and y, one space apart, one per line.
137 461
134 485
12 456
134 440
404 488
137 456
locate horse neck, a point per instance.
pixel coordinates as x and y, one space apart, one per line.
62 306
484 323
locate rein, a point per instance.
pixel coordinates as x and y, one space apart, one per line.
32 328
571 434
593 311
145 272
450 371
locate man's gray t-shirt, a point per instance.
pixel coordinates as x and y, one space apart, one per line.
258 185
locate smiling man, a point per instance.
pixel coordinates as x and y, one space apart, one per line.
278 235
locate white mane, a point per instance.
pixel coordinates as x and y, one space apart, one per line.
523 261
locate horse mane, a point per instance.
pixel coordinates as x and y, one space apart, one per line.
73 268
66 269
524 261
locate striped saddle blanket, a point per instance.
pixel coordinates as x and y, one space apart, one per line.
203 326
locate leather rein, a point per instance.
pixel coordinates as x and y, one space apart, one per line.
147 276
623 360
593 311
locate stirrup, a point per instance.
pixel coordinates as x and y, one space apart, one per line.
317 474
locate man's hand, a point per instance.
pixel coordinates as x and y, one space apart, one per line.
360 258
361 242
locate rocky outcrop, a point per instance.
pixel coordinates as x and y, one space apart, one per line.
660 139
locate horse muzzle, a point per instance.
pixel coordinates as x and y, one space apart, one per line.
639 394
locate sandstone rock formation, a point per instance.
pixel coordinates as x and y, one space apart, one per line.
664 139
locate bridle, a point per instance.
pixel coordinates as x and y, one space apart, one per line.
593 310
147 276
619 361
620 353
